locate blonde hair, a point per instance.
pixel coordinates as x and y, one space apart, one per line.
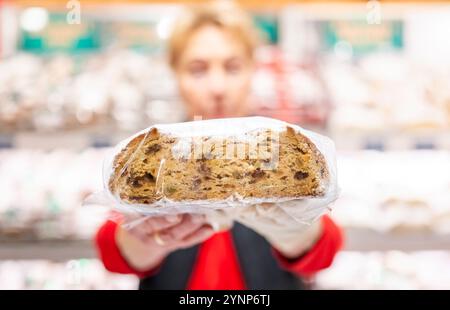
223 14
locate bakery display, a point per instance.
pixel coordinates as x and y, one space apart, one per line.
61 110
147 169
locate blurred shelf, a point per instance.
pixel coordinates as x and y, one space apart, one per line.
344 140
391 140
365 240
357 239
74 139
55 250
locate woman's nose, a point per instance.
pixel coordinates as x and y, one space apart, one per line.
217 84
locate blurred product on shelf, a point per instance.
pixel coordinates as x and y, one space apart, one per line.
80 274
386 92
392 270
394 191
62 92
41 194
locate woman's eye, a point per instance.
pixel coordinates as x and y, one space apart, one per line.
198 70
233 68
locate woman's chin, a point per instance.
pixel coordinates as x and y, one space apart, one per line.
221 115
214 116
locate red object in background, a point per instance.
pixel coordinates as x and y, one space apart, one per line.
283 92
285 106
277 66
217 266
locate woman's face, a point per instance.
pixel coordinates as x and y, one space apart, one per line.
214 74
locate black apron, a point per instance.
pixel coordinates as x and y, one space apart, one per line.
259 266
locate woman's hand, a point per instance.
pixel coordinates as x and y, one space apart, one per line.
146 244
280 227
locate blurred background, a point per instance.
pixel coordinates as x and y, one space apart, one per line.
373 75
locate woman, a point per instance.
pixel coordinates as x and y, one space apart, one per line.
211 53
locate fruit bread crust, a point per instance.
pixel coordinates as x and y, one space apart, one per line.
146 169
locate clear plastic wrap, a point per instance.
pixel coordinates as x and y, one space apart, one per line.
126 161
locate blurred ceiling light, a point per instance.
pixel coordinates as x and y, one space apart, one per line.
164 27
34 19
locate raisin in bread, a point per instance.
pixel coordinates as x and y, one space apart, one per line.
147 169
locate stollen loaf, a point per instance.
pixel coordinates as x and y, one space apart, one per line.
247 160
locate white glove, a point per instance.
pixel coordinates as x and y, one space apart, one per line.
285 225
218 219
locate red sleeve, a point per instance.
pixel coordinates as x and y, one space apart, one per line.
320 256
110 254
